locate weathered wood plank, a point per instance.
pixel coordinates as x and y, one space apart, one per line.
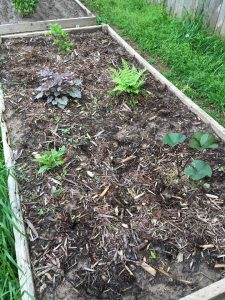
84 8
213 291
221 19
21 245
36 33
214 10
178 8
44 25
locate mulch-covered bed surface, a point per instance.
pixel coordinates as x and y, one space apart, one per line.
120 206
46 10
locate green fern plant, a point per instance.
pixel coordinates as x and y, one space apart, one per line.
127 79
25 7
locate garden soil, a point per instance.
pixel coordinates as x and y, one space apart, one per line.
117 220
46 10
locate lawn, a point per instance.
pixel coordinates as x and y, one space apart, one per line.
193 57
9 286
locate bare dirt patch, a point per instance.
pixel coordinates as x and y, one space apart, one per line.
46 10
96 247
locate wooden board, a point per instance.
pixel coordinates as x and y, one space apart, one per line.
44 25
84 8
213 291
35 33
21 245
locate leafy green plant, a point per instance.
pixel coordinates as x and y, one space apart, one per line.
41 212
57 88
50 159
60 38
198 170
25 7
127 79
202 141
152 255
58 192
173 139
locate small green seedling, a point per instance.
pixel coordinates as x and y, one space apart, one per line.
41 212
198 170
202 141
127 79
152 255
173 139
221 169
133 102
60 38
51 159
66 131
57 119
58 192
206 186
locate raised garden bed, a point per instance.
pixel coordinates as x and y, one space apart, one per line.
68 13
115 221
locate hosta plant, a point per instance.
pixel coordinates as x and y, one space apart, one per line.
60 38
127 79
198 170
57 88
25 7
202 141
50 159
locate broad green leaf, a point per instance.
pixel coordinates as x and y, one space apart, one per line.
202 141
173 139
198 170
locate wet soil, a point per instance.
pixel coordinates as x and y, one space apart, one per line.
46 10
116 211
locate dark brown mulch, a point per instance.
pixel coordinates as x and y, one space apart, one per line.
92 240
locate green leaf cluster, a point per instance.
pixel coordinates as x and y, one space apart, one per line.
57 88
51 159
203 141
200 141
60 38
198 170
173 139
25 7
127 79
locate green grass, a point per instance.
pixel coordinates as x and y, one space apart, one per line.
194 57
9 285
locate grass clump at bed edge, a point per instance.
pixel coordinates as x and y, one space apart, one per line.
9 284
195 58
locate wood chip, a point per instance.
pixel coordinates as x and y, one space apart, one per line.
123 161
148 268
164 272
180 257
103 193
219 266
209 246
211 196
90 174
